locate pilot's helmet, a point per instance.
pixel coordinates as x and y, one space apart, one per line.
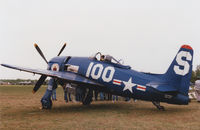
102 57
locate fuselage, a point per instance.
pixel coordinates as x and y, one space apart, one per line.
117 79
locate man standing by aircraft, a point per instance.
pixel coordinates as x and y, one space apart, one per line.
67 93
197 88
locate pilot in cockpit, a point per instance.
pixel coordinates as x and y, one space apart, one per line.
102 58
108 58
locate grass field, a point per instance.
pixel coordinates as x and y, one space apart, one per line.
19 109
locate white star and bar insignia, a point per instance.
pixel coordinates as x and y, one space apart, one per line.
129 85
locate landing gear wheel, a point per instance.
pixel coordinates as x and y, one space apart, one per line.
46 104
159 107
88 98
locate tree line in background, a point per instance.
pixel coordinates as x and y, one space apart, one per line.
19 82
195 73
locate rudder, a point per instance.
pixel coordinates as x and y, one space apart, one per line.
180 71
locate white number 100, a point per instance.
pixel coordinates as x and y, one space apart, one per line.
92 68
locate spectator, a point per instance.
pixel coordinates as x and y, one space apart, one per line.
101 96
67 93
197 88
78 94
54 95
96 95
115 98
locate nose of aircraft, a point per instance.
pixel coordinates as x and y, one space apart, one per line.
55 67
57 63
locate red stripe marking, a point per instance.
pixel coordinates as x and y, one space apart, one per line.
187 47
141 87
116 81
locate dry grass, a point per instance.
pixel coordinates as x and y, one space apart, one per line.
19 109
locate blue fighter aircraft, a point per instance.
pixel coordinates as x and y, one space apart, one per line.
105 74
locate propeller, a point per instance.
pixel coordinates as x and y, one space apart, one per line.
61 50
43 77
40 52
39 83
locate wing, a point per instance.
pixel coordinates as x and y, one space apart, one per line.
68 76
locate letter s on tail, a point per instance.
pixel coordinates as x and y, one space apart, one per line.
180 71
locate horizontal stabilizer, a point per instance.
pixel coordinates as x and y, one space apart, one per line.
162 87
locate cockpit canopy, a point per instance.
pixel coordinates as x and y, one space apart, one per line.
109 59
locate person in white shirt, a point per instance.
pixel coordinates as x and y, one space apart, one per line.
67 93
197 88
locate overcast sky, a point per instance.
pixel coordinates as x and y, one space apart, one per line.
146 34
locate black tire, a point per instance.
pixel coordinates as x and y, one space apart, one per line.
46 104
87 100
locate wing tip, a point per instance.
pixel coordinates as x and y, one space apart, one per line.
4 65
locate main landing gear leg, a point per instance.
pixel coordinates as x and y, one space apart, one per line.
46 100
159 107
88 98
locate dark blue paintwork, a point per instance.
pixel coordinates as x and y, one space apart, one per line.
171 87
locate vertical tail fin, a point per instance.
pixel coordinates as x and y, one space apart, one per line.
180 71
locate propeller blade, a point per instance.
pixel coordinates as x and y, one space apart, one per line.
39 83
40 52
62 49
